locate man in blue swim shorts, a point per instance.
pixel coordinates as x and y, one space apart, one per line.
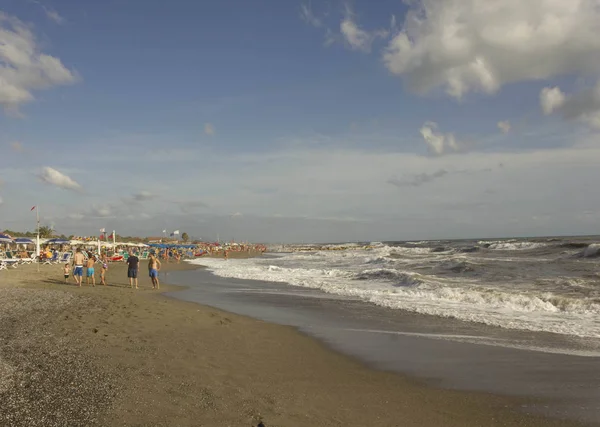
90 270
78 261
153 267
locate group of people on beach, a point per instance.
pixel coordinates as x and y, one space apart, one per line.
133 263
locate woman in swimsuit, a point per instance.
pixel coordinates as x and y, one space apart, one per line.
103 270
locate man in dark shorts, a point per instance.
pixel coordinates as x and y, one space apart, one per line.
133 264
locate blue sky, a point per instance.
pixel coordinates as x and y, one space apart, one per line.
301 121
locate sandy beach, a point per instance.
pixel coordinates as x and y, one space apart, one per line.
113 356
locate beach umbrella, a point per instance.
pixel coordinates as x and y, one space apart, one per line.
5 238
24 241
58 241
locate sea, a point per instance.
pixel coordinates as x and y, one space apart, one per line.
509 316
546 285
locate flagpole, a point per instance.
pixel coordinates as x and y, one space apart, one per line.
37 245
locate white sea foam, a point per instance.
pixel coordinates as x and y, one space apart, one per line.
373 277
511 245
591 250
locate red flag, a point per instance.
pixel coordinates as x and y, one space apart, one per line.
32 208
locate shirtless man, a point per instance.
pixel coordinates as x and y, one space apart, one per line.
153 267
90 271
78 261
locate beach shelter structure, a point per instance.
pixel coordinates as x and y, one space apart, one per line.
5 238
58 241
24 241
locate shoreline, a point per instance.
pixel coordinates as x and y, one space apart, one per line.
162 361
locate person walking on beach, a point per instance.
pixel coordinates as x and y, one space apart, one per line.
133 264
103 270
90 271
153 268
78 261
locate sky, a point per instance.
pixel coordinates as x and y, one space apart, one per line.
301 121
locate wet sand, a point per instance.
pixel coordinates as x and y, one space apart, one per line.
113 356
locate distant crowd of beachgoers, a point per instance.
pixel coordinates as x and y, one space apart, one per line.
79 259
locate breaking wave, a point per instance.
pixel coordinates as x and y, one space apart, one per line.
453 297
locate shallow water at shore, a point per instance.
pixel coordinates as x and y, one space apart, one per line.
445 352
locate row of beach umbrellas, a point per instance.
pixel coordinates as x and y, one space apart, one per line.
4 238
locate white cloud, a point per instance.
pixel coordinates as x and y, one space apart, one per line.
480 45
102 211
53 15
209 129
437 142
583 106
356 37
54 177
23 67
551 99
96 211
504 126
307 15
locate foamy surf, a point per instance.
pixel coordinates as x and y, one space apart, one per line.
494 287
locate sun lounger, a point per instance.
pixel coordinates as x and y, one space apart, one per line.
64 259
9 262
52 260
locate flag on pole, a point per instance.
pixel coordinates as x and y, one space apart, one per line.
111 235
164 231
175 233
102 230
32 209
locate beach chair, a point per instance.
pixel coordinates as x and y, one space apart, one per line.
27 260
11 260
144 255
3 265
52 260
64 258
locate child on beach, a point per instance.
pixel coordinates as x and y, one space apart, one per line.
67 270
